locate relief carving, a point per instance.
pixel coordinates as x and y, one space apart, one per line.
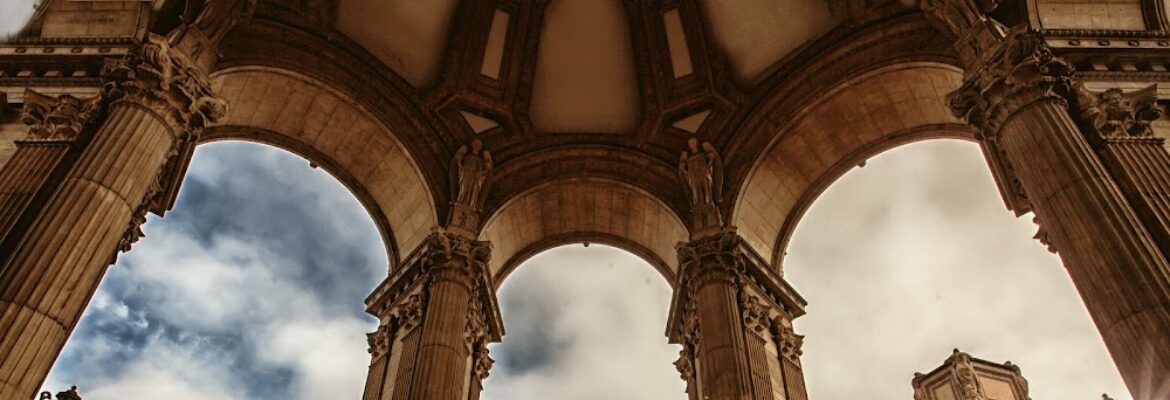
756 314
58 118
409 314
790 344
700 169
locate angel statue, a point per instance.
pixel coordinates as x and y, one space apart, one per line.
700 170
471 169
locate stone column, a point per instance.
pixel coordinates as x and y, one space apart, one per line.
58 127
1118 128
1019 96
155 104
438 314
733 315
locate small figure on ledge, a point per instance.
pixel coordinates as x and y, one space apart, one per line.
471 173
700 170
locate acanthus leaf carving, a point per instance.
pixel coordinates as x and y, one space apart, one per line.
164 82
409 313
379 341
1115 113
756 314
63 118
790 344
453 256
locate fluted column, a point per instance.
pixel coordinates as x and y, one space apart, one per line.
732 314
155 104
1118 127
1020 98
438 314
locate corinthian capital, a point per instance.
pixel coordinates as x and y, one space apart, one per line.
1018 71
1117 114
58 118
712 257
166 83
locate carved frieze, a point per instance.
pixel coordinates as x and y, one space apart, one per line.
61 118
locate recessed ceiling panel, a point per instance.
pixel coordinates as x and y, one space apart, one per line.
407 35
585 79
756 33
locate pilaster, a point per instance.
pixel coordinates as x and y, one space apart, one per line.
733 316
1019 94
438 313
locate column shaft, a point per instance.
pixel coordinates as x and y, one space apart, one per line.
1119 271
28 175
443 356
722 353
1141 168
52 272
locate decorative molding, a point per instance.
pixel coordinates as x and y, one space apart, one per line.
790 344
757 316
379 341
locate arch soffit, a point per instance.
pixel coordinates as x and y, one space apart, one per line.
864 115
308 117
583 210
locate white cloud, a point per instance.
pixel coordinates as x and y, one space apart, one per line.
15 14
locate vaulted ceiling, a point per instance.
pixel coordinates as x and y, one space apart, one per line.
572 89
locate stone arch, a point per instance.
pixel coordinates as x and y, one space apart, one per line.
309 118
584 210
864 115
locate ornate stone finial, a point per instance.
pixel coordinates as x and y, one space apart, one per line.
700 170
58 118
1115 113
199 36
471 173
70 394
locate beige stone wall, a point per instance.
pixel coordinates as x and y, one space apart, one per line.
576 210
102 18
862 117
1091 14
311 118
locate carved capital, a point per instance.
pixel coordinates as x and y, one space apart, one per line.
1019 71
61 118
408 314
789 343
456 258
166 83
482 362
379 341
756 314
1116 114
715 257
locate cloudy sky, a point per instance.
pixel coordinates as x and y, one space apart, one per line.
252 287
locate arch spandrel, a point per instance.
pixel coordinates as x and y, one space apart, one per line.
583 210
306 116
859 118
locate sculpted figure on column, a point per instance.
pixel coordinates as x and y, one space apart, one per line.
700 171
471 174
199 37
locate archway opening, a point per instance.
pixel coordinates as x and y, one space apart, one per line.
251 287
584 323
914 254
